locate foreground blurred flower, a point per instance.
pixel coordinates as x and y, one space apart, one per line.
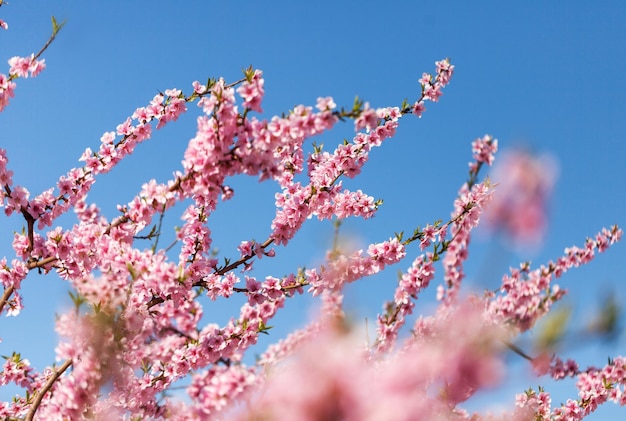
519 205
333 376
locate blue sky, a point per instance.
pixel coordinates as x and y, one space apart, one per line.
546 75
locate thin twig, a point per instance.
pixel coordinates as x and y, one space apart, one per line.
517 350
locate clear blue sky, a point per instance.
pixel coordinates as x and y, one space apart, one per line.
548 75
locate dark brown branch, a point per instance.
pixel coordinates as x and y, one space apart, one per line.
5 297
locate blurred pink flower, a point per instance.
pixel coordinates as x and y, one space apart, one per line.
519 205
334 376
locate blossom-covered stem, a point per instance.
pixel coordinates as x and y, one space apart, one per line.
55 30
243 260
284 348
303 280
526 295
472 198
596 386
45 388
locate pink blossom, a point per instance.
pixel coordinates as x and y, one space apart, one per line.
419 108
19 66
426 79
198 87
252 91
219 386
484 149
432 92
122 129
541 364
25 66
326 104
7 91
429 234
272 288
245 248
36 67
560 369
254 291
444 71
368 119
17 201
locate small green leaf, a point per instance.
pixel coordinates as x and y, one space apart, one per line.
56 27
131 271
405 104
77 299
553 329
248 73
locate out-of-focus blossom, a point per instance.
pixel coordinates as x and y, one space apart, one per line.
334 377
519 206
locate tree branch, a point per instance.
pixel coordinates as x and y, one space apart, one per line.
46 387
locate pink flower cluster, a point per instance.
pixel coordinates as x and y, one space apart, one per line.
484 150
596 386
252 91
26 66
342 269
17 370
7 91
431 87
19 67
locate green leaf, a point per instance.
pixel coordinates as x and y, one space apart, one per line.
248 73
131 271
263 328
553 329
56 27
358 105
77 299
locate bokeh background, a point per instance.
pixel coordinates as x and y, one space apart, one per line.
545 77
